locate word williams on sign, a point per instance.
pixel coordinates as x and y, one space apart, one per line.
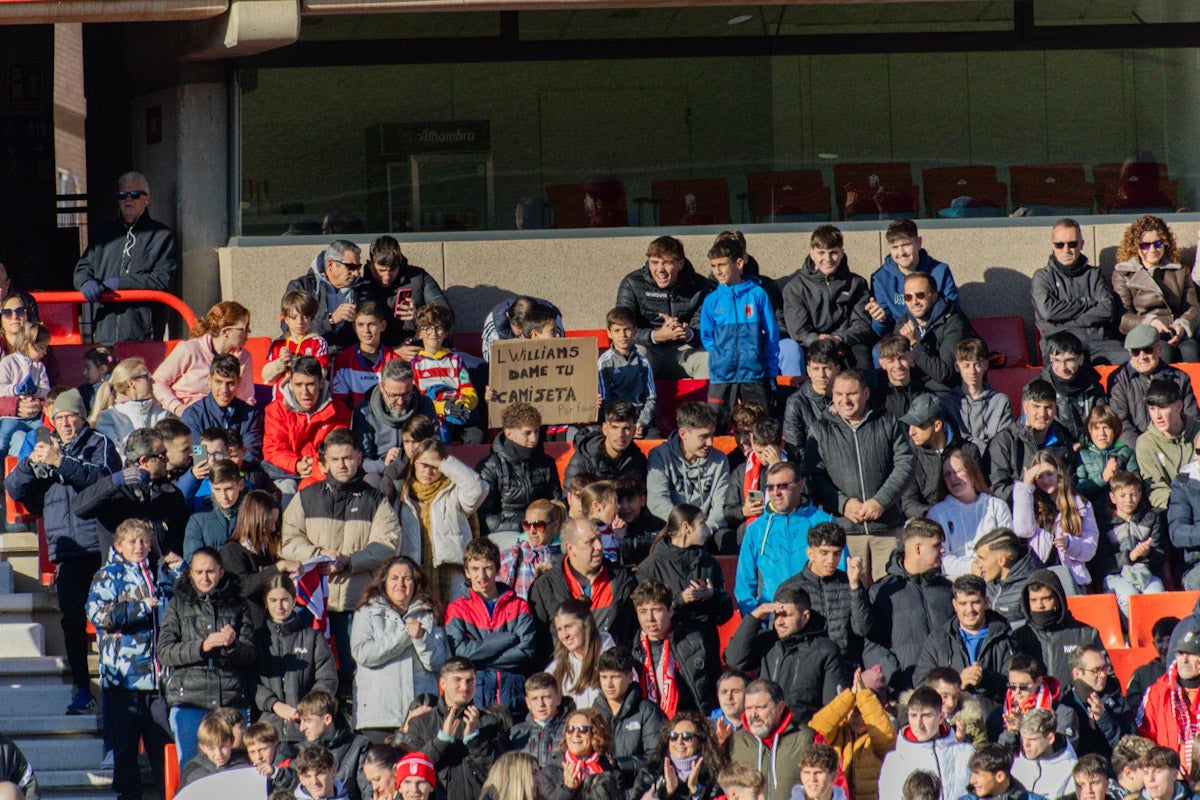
556 376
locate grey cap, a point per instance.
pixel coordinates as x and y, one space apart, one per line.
924 408
1141 336
1189 642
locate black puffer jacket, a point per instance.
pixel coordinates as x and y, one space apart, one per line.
933 354
871 462
517 476
293 659
349 752
462 767
803 408
1127 395
1076 398
590 456
808 665
677 567
549 589
814 303
905 609
1004 595
1013 449
198 679
639 293
1052 641
425 290
922 491
636 728
944 647
847 612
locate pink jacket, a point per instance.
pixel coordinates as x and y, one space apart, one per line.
182 378
1079 549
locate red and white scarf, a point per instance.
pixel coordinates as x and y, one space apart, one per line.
666 696
1186 718
1046 695
585 766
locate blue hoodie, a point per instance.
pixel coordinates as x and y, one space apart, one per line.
739 331
887 287
774 549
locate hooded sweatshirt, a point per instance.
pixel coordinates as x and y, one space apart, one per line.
1050 775
942 755
738 329
1052 636
315 283
774 549
671 480
815 303
291 433
887 287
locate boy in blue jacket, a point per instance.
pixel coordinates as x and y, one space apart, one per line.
887 283
739 331
123 605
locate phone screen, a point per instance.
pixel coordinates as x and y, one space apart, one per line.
402 297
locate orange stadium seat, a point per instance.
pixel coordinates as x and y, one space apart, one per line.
1147 609
258 347
1126 660
170 771
1101 612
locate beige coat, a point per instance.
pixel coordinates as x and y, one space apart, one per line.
1167 293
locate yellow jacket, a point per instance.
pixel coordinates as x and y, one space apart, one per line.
861 756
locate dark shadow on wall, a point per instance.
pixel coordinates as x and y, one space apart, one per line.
472 304
1003 292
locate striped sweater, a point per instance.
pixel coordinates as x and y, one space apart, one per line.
443 377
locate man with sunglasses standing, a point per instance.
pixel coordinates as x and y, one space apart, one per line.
1071 295
335 279
933 326
131 252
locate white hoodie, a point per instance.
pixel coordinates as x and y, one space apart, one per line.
1050 776
943 755
964 524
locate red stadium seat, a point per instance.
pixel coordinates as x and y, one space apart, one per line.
599 334
471 343
470 454
1101 612
170 771
1147 609
1126 660
788 194
944 184
1004 335
673 394
1059 186
692 202
153 353
64 364
63 321
1011 382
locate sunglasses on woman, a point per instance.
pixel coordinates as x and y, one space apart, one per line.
1157 244
681 736
538 525
579 729
19 311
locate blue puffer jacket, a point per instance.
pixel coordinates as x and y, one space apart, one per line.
87 458
774 549
887 287
739 331
125 624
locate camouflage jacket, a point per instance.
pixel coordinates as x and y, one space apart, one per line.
126 626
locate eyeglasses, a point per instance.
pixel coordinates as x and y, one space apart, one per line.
19 311
578 729
1141 351
239 328
1020 687
779 487
681 736
432 328
158 456
1070 244
348 265
136 194
915 296
1064 360
538 525
1157 244
396 397
1104 670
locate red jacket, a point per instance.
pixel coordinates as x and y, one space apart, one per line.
1156 715
289 434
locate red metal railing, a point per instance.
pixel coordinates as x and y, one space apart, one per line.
124 296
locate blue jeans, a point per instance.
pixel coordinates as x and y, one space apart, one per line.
12 433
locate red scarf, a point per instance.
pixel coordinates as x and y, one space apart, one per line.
668 698
585 766
1186 719
601 587
751 480
1046 696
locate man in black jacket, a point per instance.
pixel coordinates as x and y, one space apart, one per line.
1013 449
1076 383
932 436
860 461
795 653
933 326
666 295
1103 714
143 490
1005 563
321 724
335 279
976 643
132 252
635 722
582 572
1071 295
1128 385
462 740
824 360
913 601
1052 632
839 597
611 452
677 662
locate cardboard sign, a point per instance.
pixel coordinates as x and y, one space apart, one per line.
557 376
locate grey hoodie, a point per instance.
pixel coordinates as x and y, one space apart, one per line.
671 480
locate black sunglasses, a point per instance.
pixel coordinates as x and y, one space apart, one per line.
1071 244
136 194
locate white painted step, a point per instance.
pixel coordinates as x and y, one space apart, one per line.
63 753
22 639
30 670
22 701
62 780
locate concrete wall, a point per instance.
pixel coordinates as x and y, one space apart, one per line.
992 263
